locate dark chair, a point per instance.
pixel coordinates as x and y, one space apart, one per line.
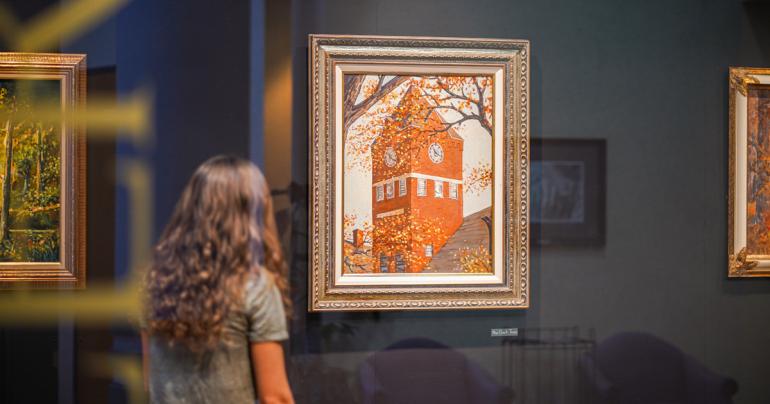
419 370
638 368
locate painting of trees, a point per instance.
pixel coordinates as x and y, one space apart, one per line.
30 172
758 209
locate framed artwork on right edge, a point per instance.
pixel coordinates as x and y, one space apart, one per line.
748 242
568 192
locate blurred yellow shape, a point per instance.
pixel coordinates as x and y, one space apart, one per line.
8 23
131 115
139 183
57 24
98 306
126 369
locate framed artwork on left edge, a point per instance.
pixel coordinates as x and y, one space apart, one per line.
748 246
419 166
42 171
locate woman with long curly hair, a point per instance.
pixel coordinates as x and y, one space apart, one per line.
217 294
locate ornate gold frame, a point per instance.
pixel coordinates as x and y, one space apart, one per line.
70 271
740 263
326 53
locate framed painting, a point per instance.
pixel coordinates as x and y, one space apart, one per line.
568 192
42 171
749 185
419 165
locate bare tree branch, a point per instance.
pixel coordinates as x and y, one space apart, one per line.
354 111
480 117
480 114
445 87
481 107
353 83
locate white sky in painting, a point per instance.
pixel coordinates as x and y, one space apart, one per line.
477 151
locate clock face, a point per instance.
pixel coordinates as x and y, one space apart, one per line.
390 157
436 153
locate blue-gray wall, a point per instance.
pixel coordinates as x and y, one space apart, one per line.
650 77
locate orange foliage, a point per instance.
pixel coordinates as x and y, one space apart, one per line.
475 260
356 260
369 88
407 235
349 224
405 114
461 98
479 179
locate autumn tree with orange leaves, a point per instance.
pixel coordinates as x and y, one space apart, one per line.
357 258
404 235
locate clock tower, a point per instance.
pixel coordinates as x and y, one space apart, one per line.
417 201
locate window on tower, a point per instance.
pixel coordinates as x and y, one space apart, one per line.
400 263
453 190
422 187
389 190
402 187
438 189
380 194
429 250
383 263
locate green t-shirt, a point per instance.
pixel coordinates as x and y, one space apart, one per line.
223 375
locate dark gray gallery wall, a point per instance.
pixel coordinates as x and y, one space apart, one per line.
650 77
194 56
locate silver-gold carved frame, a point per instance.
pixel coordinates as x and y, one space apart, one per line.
328 51
70 271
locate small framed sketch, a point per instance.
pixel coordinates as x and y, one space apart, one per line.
748 245
42 171
419 159
568 192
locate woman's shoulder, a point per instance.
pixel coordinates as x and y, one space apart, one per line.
259 286
264 308
259 278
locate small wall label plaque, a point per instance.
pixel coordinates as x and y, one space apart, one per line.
504 332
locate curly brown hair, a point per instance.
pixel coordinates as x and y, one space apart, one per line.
221 231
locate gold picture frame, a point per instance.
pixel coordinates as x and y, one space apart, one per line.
50 89
420 86
748 249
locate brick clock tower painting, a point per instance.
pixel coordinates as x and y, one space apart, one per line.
418 174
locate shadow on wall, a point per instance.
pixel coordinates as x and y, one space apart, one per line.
643 369
758 12
560 365
420 370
